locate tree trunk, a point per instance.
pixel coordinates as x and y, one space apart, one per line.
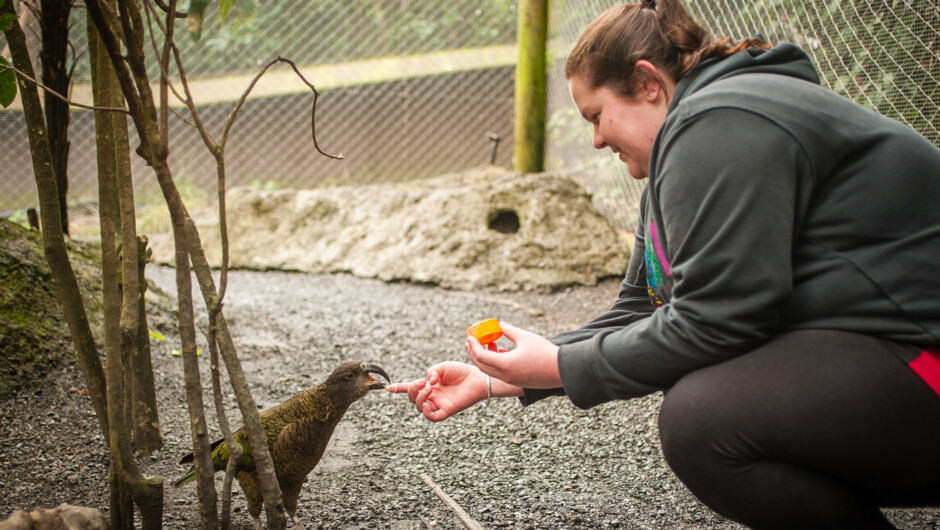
122 509
135 85
54 21
53 240
147 437
151 128
530 86
238 380
120 309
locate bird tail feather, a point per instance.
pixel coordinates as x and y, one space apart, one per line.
188 477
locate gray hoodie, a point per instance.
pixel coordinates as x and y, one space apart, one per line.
772 205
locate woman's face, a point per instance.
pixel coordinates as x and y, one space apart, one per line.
627 125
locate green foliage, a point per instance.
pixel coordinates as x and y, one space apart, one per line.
881 54
270 185
194 16
327 31
196 13
6 19
7 84
34 338
244 7
889 51
7 76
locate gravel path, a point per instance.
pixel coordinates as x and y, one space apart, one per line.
549 465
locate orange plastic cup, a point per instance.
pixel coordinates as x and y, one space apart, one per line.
485 331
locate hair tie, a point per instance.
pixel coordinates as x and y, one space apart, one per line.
649 3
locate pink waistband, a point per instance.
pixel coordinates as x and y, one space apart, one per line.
927 366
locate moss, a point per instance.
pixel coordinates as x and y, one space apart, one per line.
34 337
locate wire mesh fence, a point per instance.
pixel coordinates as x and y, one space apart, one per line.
883 54
409 90
416 88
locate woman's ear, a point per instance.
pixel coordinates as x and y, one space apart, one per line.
650 86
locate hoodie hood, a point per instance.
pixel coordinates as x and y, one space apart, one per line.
783 59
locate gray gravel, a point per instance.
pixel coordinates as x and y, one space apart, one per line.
549 465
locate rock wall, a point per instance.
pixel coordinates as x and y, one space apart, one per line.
488 227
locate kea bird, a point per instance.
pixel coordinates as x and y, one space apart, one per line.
297 431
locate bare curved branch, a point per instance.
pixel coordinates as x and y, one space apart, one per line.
313 113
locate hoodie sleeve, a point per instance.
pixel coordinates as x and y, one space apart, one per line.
724 193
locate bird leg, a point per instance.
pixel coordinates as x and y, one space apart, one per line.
295 522
258 525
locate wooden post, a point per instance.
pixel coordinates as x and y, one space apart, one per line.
532 29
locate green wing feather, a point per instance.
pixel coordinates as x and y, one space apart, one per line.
220 455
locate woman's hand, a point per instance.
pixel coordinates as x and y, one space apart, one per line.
449 388
533 363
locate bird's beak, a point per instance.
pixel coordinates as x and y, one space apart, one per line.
375 384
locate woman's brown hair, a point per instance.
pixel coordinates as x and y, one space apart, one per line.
662 32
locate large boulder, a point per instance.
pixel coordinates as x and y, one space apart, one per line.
63 517
488 227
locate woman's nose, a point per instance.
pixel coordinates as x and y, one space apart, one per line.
599 142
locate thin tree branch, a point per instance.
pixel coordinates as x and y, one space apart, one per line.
313 114
104 20
23 75
168 42
272 495
235 449
210 142
166 9
183 118
164 69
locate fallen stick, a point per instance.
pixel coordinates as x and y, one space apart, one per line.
461 514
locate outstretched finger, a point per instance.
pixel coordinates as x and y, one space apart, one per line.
398 388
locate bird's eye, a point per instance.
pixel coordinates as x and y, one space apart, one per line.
350 376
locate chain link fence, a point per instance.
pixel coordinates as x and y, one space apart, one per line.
885 54
409 90
416 88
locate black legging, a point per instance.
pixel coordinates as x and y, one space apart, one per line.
815 429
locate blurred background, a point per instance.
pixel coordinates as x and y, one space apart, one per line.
412 89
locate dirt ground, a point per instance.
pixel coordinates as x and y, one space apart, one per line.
549 465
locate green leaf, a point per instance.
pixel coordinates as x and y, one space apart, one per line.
245 7
6 19
194 17
7 84
156 336
225 6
